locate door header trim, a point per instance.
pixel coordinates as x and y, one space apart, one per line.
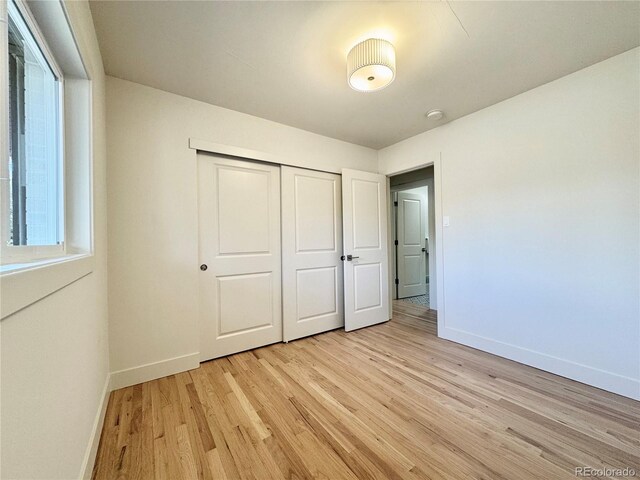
248 154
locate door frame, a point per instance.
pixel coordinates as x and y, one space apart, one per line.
438 230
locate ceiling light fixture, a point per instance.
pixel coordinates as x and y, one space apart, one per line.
371 65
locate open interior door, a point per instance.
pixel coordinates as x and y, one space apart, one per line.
366 265
411 258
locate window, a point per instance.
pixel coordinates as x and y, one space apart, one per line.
34 211
46 187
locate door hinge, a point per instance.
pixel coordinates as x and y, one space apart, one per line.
397 282
395 204
395 242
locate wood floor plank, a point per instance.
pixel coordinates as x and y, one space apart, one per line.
391 401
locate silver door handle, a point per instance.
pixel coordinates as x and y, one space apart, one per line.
351 257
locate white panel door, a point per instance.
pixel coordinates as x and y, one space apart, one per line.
311 250
239 243
411 256
366 268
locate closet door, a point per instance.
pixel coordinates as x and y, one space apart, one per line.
311 251
366 269
239 247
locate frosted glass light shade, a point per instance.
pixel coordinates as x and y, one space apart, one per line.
371 65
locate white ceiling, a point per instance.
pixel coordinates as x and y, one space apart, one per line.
285 61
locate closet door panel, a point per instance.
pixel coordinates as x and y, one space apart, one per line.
240 255
311 251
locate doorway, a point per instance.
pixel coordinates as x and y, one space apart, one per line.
413 236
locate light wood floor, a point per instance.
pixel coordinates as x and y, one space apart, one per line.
390 401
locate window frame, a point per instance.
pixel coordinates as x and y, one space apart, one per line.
11 254
25 282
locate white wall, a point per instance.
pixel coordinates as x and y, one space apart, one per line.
541 261
54 352
153 249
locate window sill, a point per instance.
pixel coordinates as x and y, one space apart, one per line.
22 284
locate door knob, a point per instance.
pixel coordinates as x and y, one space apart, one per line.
351 257
203 267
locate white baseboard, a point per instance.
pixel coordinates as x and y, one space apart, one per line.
611 382
151 371
94 440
